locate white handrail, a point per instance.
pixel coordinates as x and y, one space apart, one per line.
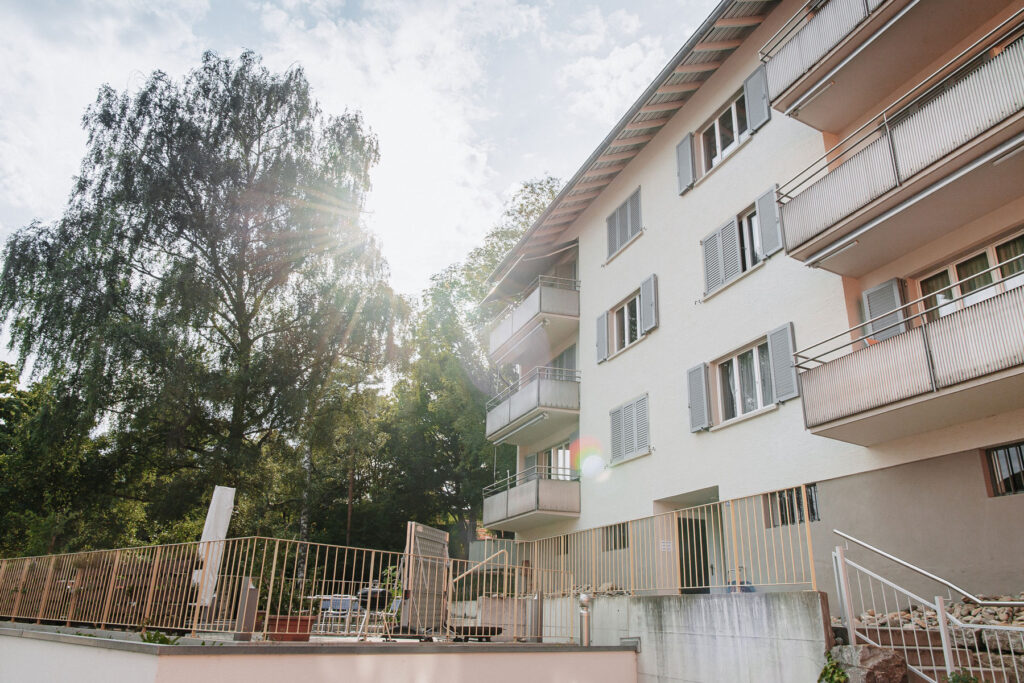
948 584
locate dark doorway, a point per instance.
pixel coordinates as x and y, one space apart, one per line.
693 556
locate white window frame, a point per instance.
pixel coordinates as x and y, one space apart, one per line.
954 292
750 239
739 136
614 324
554 456
759 381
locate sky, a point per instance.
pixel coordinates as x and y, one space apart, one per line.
468 98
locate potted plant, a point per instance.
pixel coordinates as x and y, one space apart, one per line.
294 620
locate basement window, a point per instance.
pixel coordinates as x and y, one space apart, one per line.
785 508
1006 469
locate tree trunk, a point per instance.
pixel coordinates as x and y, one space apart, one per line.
351 492
307 467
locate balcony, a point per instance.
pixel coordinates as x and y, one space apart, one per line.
542 403
546 317
837 52
535 496
953 364
945 154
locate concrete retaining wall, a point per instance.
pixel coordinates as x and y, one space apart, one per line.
748 637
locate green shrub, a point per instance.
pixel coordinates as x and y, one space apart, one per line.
832 672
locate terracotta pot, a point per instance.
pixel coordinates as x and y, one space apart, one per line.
294 628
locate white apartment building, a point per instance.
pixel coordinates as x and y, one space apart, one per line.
840 182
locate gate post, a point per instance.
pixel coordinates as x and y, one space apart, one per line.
947 650
845 596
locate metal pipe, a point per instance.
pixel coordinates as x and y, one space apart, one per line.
585 601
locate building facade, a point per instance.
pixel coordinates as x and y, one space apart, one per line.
796 260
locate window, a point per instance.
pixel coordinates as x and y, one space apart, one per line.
783 508
564 364
974 283
615 536
556 462
1006 469
625 323
624 223
630 430
745 382
743 242
724 133
750 240
629 321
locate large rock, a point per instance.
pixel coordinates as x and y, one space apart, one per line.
870 664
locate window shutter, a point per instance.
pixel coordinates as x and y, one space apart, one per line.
622 218
882 299
643 436
613 234
755 92
602 337
780 357
649 304
712 262
732 264
697 388
616 416
684 163
634 213
629 429
769 223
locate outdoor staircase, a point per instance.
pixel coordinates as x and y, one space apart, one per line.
922 649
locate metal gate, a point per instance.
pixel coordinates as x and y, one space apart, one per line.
424 579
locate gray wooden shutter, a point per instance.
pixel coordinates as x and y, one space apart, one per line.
769 223
697 389
602 337
616 416
712 248
882 299
755 92
732 257
649 304
780 357
634 213
613 234
629 429
684 163
643 435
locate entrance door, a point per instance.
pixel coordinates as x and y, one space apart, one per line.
693 556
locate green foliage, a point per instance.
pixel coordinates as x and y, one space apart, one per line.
158 638
962 676
832 672
208 276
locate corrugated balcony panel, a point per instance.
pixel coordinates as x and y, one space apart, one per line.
495 507
544 300
498 416
857 181
878 375
814 40
984 97
981 339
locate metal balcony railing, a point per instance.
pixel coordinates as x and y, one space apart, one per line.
970 94
555 388
531 474
546 294
809 35
948 340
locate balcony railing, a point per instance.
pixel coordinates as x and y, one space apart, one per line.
554 388
972 93
808 36
948 341
548 491
546 295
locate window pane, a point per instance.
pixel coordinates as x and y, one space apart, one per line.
1007 469
936 291
748 382
620 328
753 239
728 393
741 113
631 315
766 375
710 148
968 268
1011 255
726 131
